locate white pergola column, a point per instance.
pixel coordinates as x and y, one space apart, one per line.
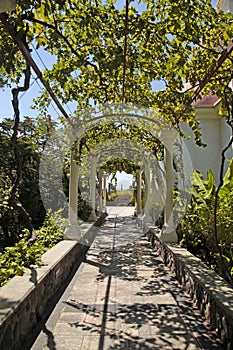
139 192
147 217
168 233
73 230
93 160
158 191
154 187
101 190
105 176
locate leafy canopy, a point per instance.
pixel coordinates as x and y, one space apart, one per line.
172 41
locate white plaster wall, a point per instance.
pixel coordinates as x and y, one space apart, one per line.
216 134
225 5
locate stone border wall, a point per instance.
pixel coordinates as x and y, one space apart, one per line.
25 300
209 292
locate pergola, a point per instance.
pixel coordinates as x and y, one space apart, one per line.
159 180
166 135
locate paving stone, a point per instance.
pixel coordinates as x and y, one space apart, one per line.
125 298
69 342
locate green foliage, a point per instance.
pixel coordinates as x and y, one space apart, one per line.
127 194
84 207
124 196
170 41
14 260
112 165
10 227
203 190
32 138
227 186
196 231
52 230
173 42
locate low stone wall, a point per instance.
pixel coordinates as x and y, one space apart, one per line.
24 300
210 293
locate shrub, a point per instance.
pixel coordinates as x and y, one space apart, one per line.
196 231
15 259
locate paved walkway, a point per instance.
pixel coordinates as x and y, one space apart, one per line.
123 297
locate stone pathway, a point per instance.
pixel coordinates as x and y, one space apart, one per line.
123 297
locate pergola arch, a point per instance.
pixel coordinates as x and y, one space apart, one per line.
116 149
85 121
161 132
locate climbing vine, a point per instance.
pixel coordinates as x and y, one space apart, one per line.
166 41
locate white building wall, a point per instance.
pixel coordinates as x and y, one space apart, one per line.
225 5
216 134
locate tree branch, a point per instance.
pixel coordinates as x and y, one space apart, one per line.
72 49
221 177
18 161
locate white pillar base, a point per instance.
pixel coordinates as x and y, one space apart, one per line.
139 220
146 221
168 235
92 217
72 232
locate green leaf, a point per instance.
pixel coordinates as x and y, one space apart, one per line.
210 184
227 182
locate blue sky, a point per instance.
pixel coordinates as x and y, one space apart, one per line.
26 99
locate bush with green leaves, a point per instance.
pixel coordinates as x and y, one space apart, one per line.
84 207
198 232
32 136
14 260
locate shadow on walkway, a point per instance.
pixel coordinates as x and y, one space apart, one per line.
125 298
